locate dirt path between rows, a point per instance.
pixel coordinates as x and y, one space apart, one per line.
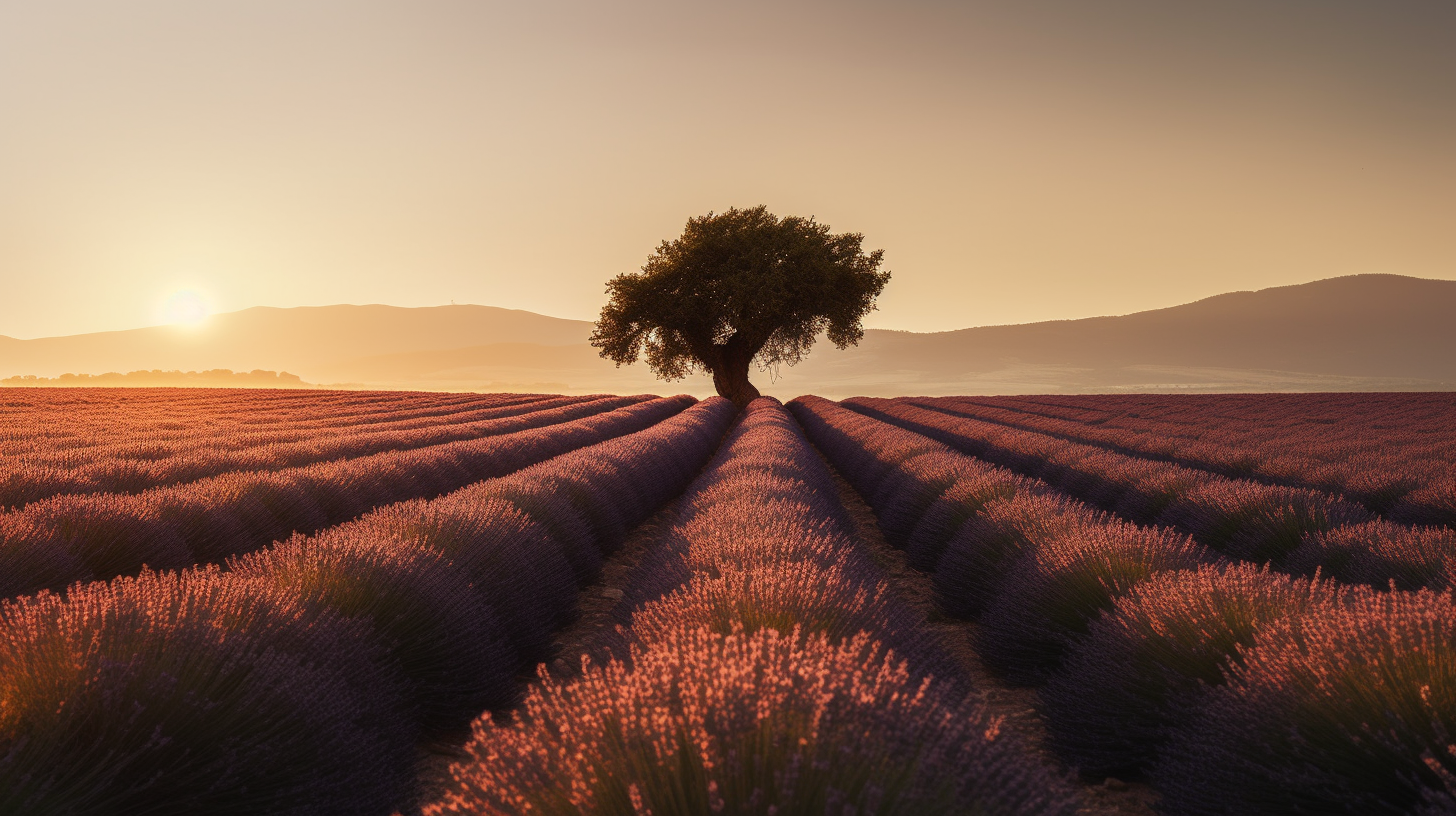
1015 704
596 603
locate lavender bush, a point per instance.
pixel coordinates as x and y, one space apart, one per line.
198 693
1380 554
1256 522
972 569
422 610
1347 709
1054 591
962 501
699 722
1142 666
784 597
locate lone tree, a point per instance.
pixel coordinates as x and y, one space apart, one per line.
740 287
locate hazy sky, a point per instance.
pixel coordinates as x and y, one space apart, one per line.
1018 160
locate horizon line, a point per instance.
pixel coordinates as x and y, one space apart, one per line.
193 327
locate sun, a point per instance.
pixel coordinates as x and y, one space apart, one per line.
186 308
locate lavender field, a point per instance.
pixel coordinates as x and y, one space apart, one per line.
318 602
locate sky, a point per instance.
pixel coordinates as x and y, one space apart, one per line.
1017 161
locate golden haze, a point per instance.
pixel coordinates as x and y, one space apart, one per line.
1019 161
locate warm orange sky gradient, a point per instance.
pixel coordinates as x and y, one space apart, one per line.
1018 160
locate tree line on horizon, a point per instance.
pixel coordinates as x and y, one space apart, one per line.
220 377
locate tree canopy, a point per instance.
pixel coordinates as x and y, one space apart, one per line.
738 288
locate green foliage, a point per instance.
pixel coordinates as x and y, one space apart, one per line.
739 287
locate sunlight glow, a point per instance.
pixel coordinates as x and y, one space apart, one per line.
186 308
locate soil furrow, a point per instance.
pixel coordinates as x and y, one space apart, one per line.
1017 705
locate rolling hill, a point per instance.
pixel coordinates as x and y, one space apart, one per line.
1364 332
315 342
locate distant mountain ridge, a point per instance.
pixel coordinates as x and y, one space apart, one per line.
1363 332
309 340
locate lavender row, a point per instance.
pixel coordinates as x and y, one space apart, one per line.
1036 566
1390 452
1231 688
762 540
300 681
1296 529
41 420
158 424
751 675
140 464
65 539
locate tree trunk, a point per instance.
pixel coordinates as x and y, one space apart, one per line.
731 377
